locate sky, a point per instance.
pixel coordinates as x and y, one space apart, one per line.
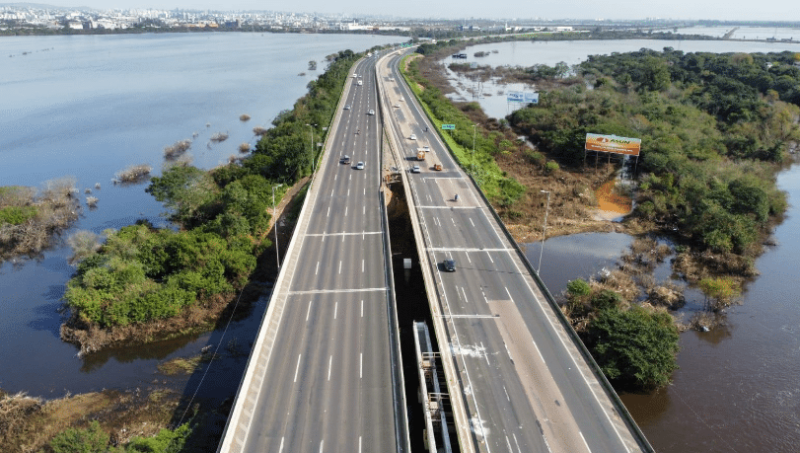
779 10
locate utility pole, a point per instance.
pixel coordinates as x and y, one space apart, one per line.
544 231
474 131
277 249
313 157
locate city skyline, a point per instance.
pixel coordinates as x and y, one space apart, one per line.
768 10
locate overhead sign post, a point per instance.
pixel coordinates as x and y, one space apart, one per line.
448 127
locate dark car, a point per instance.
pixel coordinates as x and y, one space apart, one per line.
344 160
449 265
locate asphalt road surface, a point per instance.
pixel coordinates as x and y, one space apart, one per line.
328 384
525 385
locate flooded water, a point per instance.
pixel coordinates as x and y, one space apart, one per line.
492 96
738 387
89 106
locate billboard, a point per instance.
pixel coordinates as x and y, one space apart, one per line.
531 98
613 144
515 96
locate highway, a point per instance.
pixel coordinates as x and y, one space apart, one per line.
324 381
518 382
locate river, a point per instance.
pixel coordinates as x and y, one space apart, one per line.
89 106
738 387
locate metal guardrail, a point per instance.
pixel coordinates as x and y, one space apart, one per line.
619 405
395 323
432 291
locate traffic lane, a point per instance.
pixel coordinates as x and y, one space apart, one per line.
500 334
567 368
455 228
476 347
287 375
317 392
340 263
378 396
344 351
502 416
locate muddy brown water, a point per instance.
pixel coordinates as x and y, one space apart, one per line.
738 387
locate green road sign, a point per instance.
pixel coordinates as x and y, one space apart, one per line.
448 127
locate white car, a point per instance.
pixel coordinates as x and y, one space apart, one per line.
415 169
360 166
426 148
412 137
355 76
371 112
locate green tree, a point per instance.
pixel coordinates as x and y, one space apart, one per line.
635 348
655 75
81 440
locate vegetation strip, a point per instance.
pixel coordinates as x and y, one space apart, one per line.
144 283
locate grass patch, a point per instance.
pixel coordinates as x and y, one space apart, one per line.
493 181
184 365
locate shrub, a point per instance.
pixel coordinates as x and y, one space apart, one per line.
244 117
578 287
635 348
165 441
177 149
134 173
551 167
605 299
83 440
720 292
84 243
219 137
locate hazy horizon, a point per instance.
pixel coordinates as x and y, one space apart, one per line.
767 10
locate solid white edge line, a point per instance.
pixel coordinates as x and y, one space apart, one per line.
297 368
330 365
584 442
281 449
